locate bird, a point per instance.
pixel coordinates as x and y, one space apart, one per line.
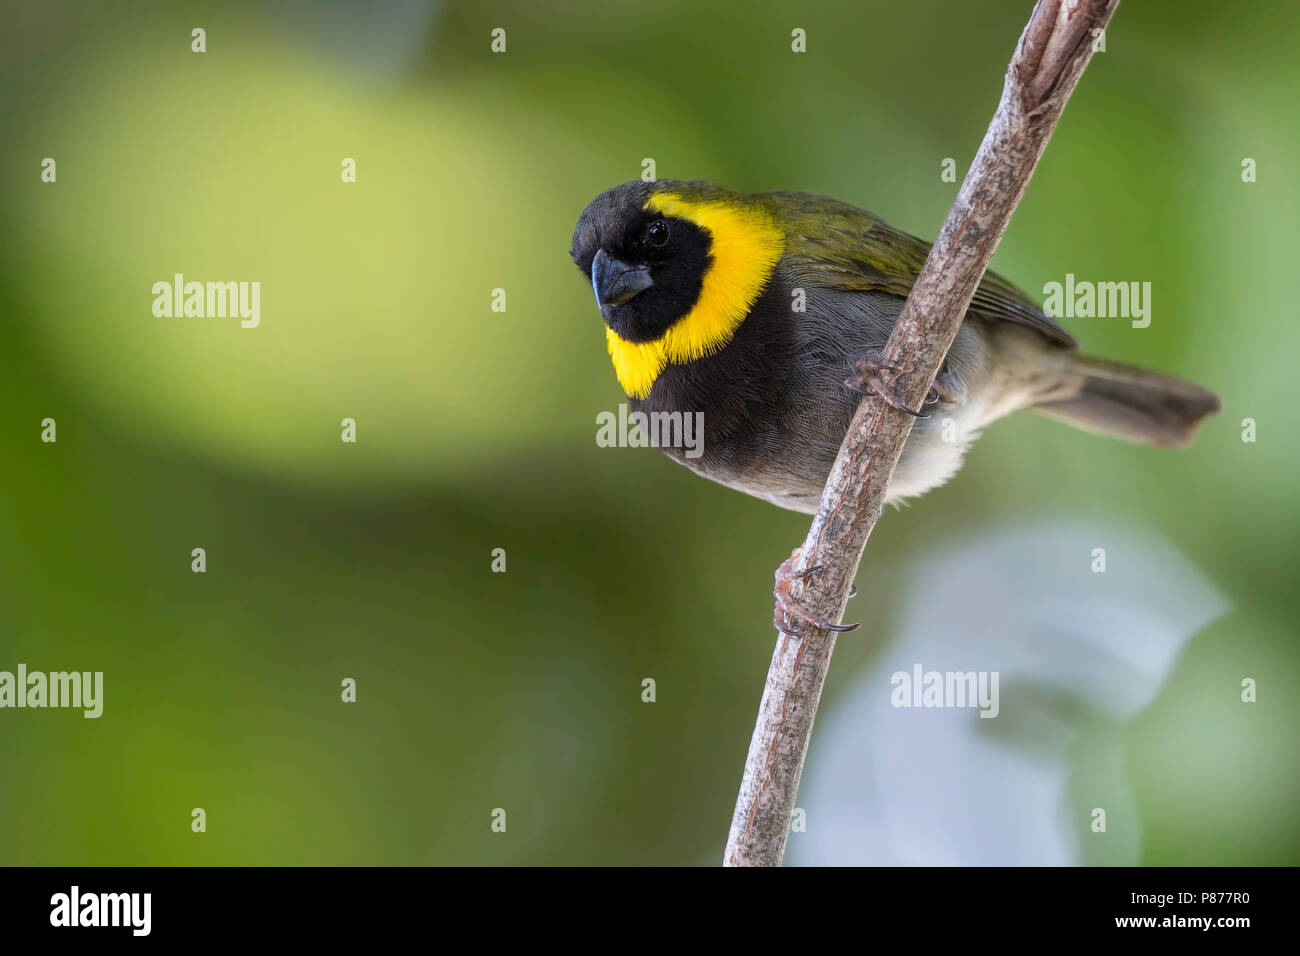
768 313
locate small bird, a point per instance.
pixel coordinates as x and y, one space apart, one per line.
768 314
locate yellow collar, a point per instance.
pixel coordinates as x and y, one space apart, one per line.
745 247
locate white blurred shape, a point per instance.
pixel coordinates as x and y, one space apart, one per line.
1078 653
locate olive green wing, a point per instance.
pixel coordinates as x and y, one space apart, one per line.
847 248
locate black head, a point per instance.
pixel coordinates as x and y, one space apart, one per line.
645 268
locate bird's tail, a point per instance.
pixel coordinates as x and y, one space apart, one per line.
1133 403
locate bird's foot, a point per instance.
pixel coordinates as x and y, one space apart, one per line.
787 607
866 380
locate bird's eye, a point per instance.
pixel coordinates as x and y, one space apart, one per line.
656 234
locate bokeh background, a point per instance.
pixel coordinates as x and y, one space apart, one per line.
476 431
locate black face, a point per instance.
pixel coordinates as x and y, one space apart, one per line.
645 269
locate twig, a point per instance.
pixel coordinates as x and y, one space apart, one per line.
1053 51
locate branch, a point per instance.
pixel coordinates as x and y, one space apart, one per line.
1051 56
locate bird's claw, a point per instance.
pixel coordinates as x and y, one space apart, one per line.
787 607
866 381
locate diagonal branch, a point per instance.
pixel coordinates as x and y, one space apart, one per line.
1053 51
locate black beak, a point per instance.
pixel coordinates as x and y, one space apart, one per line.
615 282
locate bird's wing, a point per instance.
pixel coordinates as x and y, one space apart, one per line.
850 249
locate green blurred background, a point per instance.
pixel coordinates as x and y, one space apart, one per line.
476 428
